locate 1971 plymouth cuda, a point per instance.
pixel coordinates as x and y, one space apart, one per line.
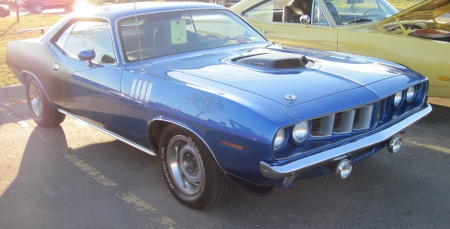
213 99
413 37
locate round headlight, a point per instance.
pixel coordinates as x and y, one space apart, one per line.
279 139
300 131
398 98
410 93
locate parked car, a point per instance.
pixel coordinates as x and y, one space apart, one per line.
226 3
365 27
4 10
213 99
37 6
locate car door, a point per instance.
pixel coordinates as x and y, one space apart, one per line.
89 89
317 34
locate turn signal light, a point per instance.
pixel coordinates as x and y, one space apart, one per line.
444 78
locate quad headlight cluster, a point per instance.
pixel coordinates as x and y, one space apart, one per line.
299 133
408 95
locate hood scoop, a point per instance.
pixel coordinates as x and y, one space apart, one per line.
272 61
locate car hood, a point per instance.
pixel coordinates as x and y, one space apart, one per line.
331 74
425 10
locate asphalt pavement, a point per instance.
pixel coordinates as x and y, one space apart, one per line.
73 176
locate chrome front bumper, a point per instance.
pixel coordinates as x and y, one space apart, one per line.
304 164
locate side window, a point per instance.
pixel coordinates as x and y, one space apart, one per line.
270 11
263 12
94 35
318 16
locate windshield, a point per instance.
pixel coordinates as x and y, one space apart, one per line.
184 31
360 11
363 11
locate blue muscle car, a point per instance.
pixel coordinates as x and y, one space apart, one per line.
220 106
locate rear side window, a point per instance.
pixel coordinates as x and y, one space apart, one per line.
86 34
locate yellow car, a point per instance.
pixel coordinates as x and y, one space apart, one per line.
414 37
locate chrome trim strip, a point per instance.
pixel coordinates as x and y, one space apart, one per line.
282 171
149 91
133 88
118 137
138 90
144 89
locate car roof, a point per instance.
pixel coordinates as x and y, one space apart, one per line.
116 11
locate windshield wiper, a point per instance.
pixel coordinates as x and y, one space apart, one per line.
360 20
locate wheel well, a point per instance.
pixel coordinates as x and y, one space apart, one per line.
23 77
156 128
154 132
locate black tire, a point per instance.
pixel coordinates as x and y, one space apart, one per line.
37 8
198 182
41 110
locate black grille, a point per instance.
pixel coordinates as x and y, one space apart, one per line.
356 120
337 120
315 125
290 63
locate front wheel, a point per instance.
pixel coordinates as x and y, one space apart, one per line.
69 8
190 171
41 110
37 8
222 3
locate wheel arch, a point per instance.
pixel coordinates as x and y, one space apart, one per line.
25 74
23 78
157 126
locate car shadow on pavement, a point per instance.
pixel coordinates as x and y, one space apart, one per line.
65 182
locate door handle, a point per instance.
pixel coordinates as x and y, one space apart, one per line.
268 31
55 67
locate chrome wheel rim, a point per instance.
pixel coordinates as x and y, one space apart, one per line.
34 95
185 165
221 2
38 8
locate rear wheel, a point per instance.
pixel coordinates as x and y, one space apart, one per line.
190 171
41 110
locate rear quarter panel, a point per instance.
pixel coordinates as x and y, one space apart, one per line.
31 57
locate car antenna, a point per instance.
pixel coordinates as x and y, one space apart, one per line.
354 24
138 37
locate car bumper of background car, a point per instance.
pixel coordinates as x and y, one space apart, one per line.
291 170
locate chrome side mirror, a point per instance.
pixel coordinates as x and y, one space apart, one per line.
305 19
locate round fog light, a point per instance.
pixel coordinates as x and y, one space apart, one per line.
395 144
344 168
